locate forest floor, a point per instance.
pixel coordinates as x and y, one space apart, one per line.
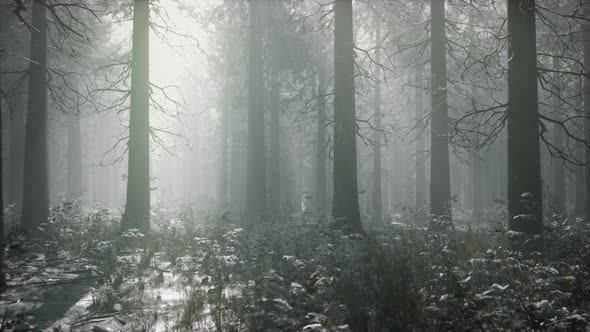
201 273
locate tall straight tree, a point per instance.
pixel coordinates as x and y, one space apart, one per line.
476 169
320 167
2 226
35 182
476 173
74 157
15 119
420 185
440 180
377 187
559 184
256 148
586 37
137 207
274 179
224 133
525 203
345 209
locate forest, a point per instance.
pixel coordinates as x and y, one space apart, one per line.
294 165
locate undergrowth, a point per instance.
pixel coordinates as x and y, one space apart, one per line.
292 277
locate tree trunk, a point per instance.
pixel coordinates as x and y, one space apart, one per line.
137 207
274 189
224 131
580 207
586 36
256 147
420 155
74 158
346 204
2 226
477 181
16 147
440 182
236 179
559 185
477 189
35 182
377 187
320 171
525 204
14 131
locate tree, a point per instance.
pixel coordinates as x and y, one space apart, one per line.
74 157
137 207
2 226
476 180
420 164
224 104
559 185
580 196
274 180
377 187
440 181
525 203
13 43
586 94
35 207
320 167
345 209
256 148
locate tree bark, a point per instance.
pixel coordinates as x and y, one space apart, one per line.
377 186
586 36
35 208
580 204
320 167
420 153
275 146
2 226
346 204
224 132
74 158
440 182
137 207
256 205
16 149
525 203
477 187
559 185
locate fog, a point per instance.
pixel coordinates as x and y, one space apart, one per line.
288 165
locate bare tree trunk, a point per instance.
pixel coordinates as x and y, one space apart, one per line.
320 177
35 182
345 210
477 189
275 147
2 226
137 206
420 155
580 204
256 205
440 181
476 183
224 131
74 158
237 165
586 36
525 200
377 186
16 144
559 185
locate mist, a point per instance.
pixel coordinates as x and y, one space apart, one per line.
294 165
